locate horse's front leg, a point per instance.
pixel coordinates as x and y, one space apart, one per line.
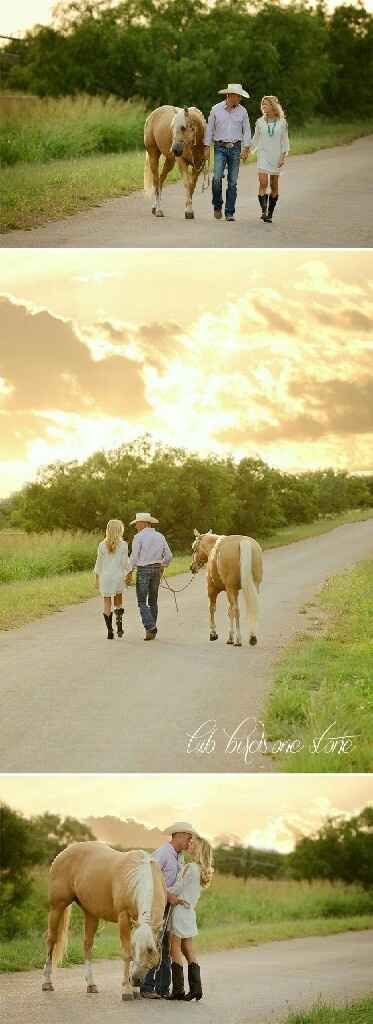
212 595
128 991
157 188
187 182
91 924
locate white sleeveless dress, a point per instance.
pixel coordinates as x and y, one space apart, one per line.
111 568
183 921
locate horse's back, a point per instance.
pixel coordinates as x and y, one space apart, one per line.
227 559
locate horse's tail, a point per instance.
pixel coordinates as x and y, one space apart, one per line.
148 177
248 587
60 946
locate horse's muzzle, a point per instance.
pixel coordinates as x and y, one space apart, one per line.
177 148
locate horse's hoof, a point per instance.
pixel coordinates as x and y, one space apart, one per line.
159 213
92 988
229 641
127 997
237 643
253 641
47 986
154 210
213 636
189 215
137 994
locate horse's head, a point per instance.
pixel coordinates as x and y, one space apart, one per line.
145 950
200 550
184 132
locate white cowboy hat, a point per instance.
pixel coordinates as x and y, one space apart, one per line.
143 517
179 826
237 88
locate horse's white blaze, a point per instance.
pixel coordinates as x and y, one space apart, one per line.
248 586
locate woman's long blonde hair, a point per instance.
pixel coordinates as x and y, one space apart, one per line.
114 533
275 104
202 854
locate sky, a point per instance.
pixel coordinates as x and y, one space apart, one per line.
23 14
267 811
252 352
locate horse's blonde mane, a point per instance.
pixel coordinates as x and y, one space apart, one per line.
140 883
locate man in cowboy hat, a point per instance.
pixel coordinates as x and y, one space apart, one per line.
156 983
150 555
228 128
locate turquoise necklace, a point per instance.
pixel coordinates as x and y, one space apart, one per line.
271 125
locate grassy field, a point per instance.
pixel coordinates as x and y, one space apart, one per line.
232 913
328 679
82 151
42 573
358 1012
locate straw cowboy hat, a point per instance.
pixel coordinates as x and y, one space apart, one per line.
143 517
237 88
179 826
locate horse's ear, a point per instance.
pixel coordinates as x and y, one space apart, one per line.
186 111
196 533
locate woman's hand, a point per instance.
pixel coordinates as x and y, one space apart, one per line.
245 152
281 160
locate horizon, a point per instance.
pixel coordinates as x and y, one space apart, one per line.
254 358
23 15
268 813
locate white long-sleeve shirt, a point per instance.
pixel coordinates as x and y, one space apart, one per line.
149 547
228 125
271 140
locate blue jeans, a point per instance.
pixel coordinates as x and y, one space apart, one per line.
230 159
148 578
159 979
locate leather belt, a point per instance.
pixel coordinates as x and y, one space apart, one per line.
229 145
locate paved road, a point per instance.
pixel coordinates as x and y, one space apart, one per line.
254 985
327 200
73 702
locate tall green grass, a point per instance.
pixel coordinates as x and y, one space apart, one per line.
55 129
33 556
231 913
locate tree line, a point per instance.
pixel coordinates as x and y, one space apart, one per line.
183 490
341 850
184 51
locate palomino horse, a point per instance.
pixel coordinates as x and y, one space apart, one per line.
233 564
123 887
176 133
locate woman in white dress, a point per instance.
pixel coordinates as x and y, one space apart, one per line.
271 141
197 873
111 569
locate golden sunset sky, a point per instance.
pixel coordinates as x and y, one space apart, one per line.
23 14
252 352
267 811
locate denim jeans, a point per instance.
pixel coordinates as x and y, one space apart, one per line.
230 159
148 578
159 979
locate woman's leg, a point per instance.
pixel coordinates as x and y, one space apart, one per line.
108 616
177 970
119 612
188 951
262 194
273 198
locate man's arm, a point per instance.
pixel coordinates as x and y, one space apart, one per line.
246 136
135 551
210 128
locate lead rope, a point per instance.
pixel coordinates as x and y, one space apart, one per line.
166 586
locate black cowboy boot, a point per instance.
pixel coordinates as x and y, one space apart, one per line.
119 612
109 624
271 206
178 991
195 987
263 203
